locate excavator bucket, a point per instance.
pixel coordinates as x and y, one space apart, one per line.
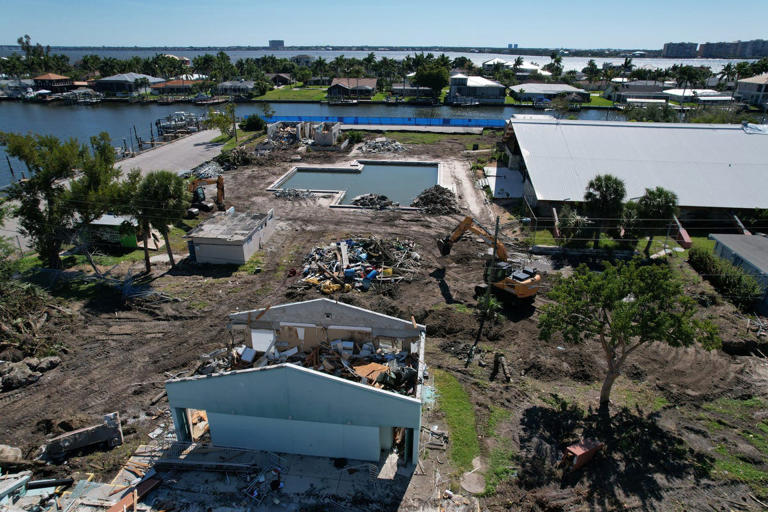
444 245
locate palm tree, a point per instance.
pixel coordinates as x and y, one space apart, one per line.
604 199
517 65
656 207
627 65
160 199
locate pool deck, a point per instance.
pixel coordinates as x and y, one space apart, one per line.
461 130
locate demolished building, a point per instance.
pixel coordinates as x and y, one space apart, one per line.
326 379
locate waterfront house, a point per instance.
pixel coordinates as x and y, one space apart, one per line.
407 89
754 90
474 90
319 80
175 87
279 79
636 90
352 88
126 84
711 167
53 82
707 96
540 92
236 87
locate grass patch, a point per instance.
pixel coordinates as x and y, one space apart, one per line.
598 101
498 415
294 93
502 465
253 264
740 409
462 308
243 136
730 467
418 137
460 417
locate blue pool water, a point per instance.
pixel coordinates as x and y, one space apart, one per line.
400 183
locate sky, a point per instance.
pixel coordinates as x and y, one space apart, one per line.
486 23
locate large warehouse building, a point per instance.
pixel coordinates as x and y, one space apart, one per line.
708 166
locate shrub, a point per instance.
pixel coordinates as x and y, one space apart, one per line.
355 136
731 281
253 123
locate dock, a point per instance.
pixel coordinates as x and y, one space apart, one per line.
185 153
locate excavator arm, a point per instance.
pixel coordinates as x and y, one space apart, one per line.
219 181
470 224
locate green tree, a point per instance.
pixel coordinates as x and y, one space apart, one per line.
432 76
592 71
221 121
160 202
95 190
604 200
624 307
44 211
656 208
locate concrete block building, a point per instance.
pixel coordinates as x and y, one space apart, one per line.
230 238
286 404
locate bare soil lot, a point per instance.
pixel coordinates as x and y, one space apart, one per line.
689 428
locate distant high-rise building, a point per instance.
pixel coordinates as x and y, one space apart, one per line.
753 49
680 50
276 44
512 46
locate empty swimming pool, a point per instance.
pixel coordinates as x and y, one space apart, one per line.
399 181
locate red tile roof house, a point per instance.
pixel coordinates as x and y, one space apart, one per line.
352 88
53 82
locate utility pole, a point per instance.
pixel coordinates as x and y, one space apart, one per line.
486 297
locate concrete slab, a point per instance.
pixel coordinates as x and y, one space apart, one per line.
505 183
465 130
180 154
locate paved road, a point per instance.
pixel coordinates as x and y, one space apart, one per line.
182 154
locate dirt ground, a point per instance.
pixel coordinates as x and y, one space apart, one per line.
680 415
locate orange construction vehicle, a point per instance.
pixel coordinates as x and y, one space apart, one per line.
518 283
198 195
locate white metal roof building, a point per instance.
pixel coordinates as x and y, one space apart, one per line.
706 165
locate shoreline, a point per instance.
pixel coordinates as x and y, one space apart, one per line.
186 101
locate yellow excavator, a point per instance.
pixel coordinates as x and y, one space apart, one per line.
518 283
198 194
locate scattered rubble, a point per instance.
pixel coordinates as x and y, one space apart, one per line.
358 263
26 372
10 453
293 194
374 201
205 170
382 145
437 200
109 434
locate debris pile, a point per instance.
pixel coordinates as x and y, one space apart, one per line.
25 372
293 194
374 201
205 170
359 263
437 200
382 145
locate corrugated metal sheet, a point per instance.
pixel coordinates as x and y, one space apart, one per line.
718 166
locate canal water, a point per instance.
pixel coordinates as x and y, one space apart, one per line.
119 119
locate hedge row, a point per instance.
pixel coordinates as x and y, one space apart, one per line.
731 281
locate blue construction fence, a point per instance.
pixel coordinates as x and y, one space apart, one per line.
399 121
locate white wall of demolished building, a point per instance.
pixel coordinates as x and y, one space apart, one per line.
293 409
